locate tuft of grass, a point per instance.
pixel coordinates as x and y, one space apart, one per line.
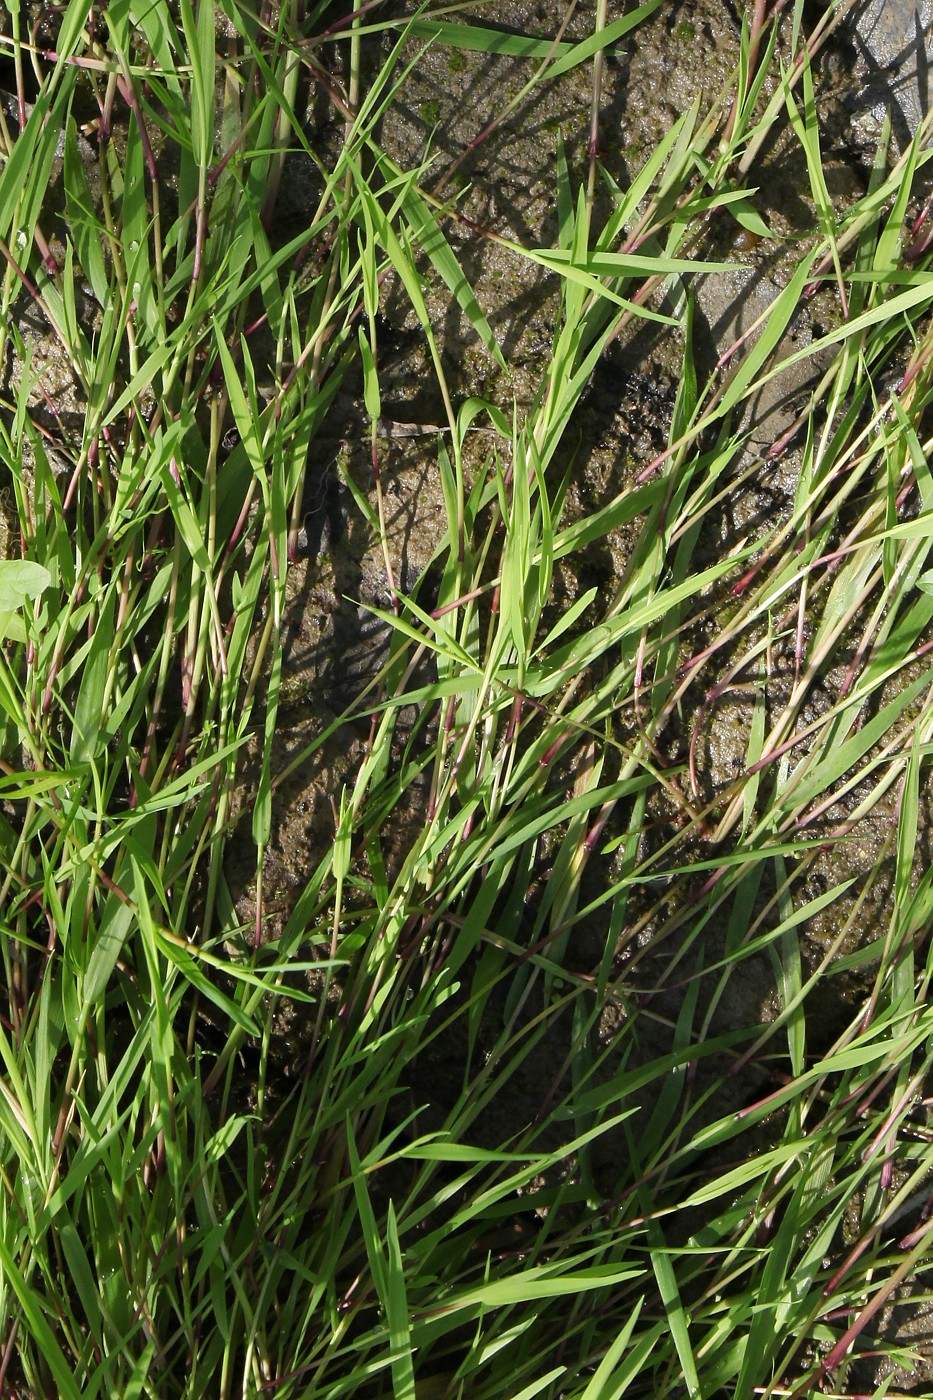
571 1114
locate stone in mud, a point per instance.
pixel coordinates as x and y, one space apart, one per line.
893 41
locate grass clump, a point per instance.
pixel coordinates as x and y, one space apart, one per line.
541 1137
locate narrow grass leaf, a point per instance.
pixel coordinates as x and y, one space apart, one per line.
746 374
601 39
477 38
673 1307
536 1387
189 969
27 169
82 216
429 235
396 1307
62 1370
842 757
535 1284
87 738
110 935
199 34
605 1383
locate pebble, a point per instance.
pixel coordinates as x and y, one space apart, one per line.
893 40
